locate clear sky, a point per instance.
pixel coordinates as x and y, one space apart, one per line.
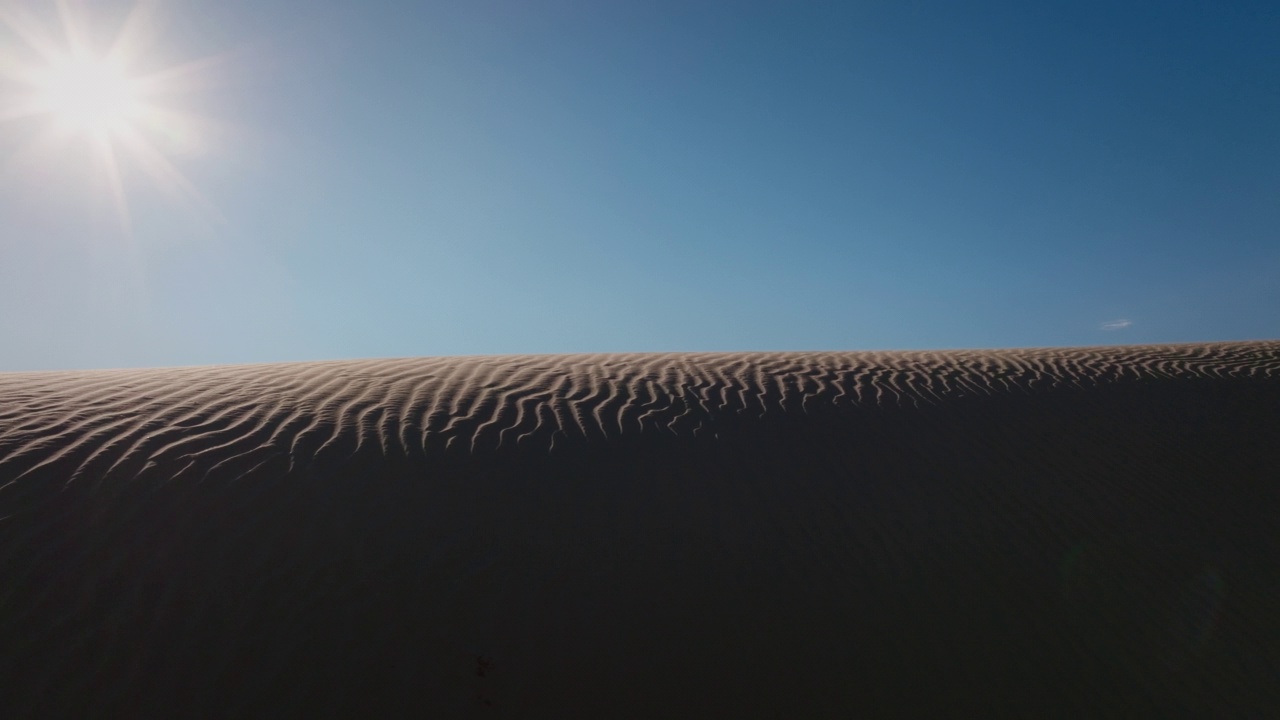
313 179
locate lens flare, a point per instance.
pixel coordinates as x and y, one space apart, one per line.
99 95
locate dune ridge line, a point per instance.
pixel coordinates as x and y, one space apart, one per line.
408 407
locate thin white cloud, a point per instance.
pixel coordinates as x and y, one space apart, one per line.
1116 324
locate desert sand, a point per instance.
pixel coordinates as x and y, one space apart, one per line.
1037 533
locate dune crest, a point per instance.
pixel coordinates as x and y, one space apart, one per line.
312 412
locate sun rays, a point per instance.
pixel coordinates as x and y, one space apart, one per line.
66 89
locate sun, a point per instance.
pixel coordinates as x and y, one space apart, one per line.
88 90
90 94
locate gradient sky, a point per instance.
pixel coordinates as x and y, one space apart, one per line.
380 179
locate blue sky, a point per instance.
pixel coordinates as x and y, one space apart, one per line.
384 179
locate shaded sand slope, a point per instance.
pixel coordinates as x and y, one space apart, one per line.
1070 532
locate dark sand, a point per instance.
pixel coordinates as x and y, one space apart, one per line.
1033 533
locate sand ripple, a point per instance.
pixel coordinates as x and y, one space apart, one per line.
203 420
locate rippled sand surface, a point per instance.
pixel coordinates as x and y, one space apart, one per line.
1060 532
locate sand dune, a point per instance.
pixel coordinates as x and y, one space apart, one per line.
1060 532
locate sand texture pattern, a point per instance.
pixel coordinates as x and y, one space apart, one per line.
1086 532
